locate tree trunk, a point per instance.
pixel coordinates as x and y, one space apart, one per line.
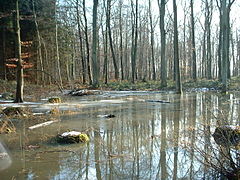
225 10
176 53
224 45
220 48
95 70
194 63
108 14
81 44
152 41
57 48
19 90
121 39
228 43
135 41
163 43
87 43
3 72
208 19
39 46
105 65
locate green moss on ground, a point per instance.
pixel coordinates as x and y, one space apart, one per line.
36 92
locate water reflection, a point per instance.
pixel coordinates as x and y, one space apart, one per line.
146 140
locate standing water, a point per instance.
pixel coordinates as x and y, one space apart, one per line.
152 136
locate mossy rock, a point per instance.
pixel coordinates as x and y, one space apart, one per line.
54 100
227 135
72 137
14 111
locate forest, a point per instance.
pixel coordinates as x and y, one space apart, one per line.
148 88
100 42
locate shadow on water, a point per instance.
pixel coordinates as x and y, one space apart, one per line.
146 139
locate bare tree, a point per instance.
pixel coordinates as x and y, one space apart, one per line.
163 43
225 17
81 44
57 47
176 52
19 90
194 63
87 43
95 69
208 20
134 39
152 40
121 37
39 44
108 16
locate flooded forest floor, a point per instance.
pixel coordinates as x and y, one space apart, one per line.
136 131
34 92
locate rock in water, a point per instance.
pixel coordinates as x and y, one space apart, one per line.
55 100
81 92
107 116
72 137
227 135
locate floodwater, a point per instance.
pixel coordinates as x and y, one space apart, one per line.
167 139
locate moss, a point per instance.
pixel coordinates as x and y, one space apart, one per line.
84 138
54 100
72 137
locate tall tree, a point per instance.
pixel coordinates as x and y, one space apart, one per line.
105 49
108 16
81 44
152 40
19 90
57 47
163 43
39 44
194 63
134 39
121 37
95 69
225 12
220 44
87 43
176 52
208 20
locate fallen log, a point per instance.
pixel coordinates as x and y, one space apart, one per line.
82 92
107 116
157 101
41 125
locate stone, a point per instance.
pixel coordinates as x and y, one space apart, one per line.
72 137
54 100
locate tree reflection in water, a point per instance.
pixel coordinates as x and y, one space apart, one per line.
146 140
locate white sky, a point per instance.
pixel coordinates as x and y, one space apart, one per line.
235 10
